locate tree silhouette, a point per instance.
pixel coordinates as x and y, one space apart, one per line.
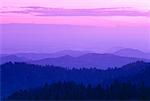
129 82
74 91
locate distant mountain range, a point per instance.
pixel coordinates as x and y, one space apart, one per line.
90 60
37 56
13 58
18 57
80 59
128 52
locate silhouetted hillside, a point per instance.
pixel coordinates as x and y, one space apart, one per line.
21 75
74 91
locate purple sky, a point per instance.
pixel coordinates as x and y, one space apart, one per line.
50 38
95 25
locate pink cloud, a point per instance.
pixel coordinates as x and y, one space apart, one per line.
139 4
45 11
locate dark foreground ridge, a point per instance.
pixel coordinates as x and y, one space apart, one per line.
73 91
15 76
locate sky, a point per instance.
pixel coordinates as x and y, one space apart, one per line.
128 20
138 4
45 11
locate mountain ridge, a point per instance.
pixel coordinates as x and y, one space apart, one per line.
22 75
89 60
129 52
